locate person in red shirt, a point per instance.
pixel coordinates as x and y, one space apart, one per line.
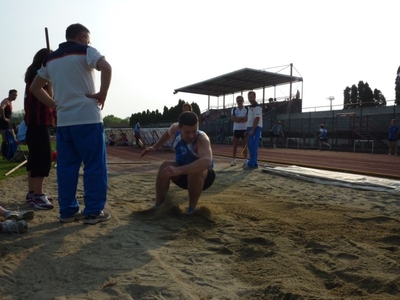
38 119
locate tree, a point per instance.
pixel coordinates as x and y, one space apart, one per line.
368 96
196 109
354 96
360 89
17 116
362 95
379 99
397 87
112 120
346 98
168 115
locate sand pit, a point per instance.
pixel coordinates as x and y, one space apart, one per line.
254 236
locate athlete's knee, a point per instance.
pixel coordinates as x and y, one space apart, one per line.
198 175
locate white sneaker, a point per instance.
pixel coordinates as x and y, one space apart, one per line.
245 162
233 163
274 146
41 202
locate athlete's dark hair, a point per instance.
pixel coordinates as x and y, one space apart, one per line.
188 118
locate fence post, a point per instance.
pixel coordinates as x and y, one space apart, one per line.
309 127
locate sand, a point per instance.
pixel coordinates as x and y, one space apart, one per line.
254 236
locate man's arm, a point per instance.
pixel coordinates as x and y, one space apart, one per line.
166 136
105 68
256 119
205 157
255 124
4 103
49 89
37 89
236 119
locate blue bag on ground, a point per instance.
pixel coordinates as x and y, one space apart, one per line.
10 146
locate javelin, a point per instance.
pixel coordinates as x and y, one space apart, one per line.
244 148
46 32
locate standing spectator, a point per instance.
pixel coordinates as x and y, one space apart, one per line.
186 107
80 133
193 165
393 135
136 130
323 137
254 126
38 119
277 132
5 118
239 118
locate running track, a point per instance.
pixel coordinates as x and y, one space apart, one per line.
122 158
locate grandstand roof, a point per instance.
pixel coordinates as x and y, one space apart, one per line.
237 81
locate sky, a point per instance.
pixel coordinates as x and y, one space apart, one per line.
155 47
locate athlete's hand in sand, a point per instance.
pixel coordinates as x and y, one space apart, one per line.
147 149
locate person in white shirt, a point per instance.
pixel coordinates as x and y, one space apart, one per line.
239 118
80 132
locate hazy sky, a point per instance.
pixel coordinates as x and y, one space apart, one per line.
158 46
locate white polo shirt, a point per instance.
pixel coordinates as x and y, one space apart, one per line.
254 112
240 113
71 70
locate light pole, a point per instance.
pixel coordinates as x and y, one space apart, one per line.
331 98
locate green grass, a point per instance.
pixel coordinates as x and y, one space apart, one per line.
6 166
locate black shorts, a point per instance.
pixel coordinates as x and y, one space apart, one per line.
182 182
240 134
324 140
39 157
392 140
4 125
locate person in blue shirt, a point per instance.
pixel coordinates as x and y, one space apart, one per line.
393 135
136 130
277 132
323 137
193 165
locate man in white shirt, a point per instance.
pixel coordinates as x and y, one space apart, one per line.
254 127
80 132
239 118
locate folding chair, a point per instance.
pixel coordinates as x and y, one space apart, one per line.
21 140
